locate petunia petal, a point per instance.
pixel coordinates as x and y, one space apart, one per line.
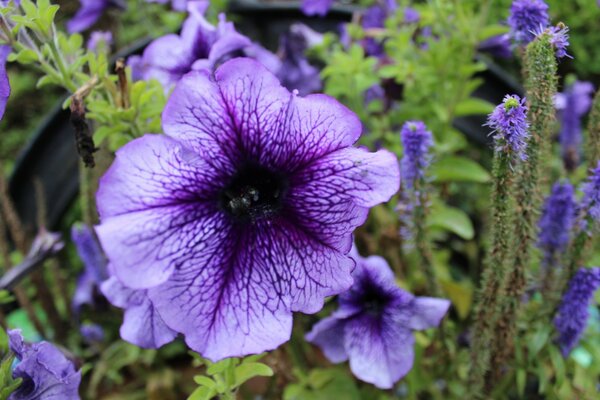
4 83
328 334
380 351
428 312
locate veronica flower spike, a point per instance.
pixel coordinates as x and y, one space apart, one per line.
526 17
243 212
373 326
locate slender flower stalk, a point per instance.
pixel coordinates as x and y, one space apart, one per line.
540 84
510 133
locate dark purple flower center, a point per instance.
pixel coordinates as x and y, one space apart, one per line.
25 389
254 193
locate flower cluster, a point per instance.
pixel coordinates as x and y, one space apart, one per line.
572 317
373 326
510 126
526 17
243 212
417 142
558 216
45 372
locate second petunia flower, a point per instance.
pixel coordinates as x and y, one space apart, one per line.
243 212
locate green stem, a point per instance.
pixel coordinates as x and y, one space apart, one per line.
60 63
423 244
593 145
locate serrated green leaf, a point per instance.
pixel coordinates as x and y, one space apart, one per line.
458 169
249 370
451 219
473 106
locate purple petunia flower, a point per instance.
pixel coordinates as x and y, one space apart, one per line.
89 13
95 266
572 104
199 46
590 202
243 212
572 317
497 46
4 83
374 322
316 7
103 39
558 216
526 17
45 372
142 322
510 126
417 141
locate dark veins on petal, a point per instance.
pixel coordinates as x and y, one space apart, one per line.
254 193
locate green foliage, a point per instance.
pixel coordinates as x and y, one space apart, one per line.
223 378
324 384
7 383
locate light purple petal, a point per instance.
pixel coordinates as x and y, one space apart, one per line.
4 83
380 351
428 312
316 7
87 15
328 334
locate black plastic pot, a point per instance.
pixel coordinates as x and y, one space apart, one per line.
51 155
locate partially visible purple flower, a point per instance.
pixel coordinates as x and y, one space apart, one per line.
559 38
416 141
102 39
89 13
526 17
316 7
558 216
45 372
590 202
4 83
92 333
177 5
243 212
510 126
373 326
572 317
95 266
572 104
497 46
142 322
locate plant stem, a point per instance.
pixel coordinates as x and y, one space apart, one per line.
593 145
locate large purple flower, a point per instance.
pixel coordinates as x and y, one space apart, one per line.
200 45
89 13
373 325
45 372
4 83
243 212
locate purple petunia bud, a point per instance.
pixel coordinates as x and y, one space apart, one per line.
590 202
509 122
557 220
416 140
573 314
526 16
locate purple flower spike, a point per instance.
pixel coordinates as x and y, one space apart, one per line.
89 13
590 202
526 17
316 7
142 323
417 141
559 38
95 267
572 317
572 104
243 212
4 83
45 371
557 219
374 323
510 126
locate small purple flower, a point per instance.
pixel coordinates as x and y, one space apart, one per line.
558 216
572 104
4 83
92 333
572 317
510 126
373 326
142 322
90 12
526 17
316 7
102 39
559 38
45 372
497 46
243 212
95 267
200 45
590 202
417 142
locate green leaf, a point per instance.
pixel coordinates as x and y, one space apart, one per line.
3 342
247 371
451 219
473 106
521 381
219 367
25 56
458 169
205 381
202 393
461 296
